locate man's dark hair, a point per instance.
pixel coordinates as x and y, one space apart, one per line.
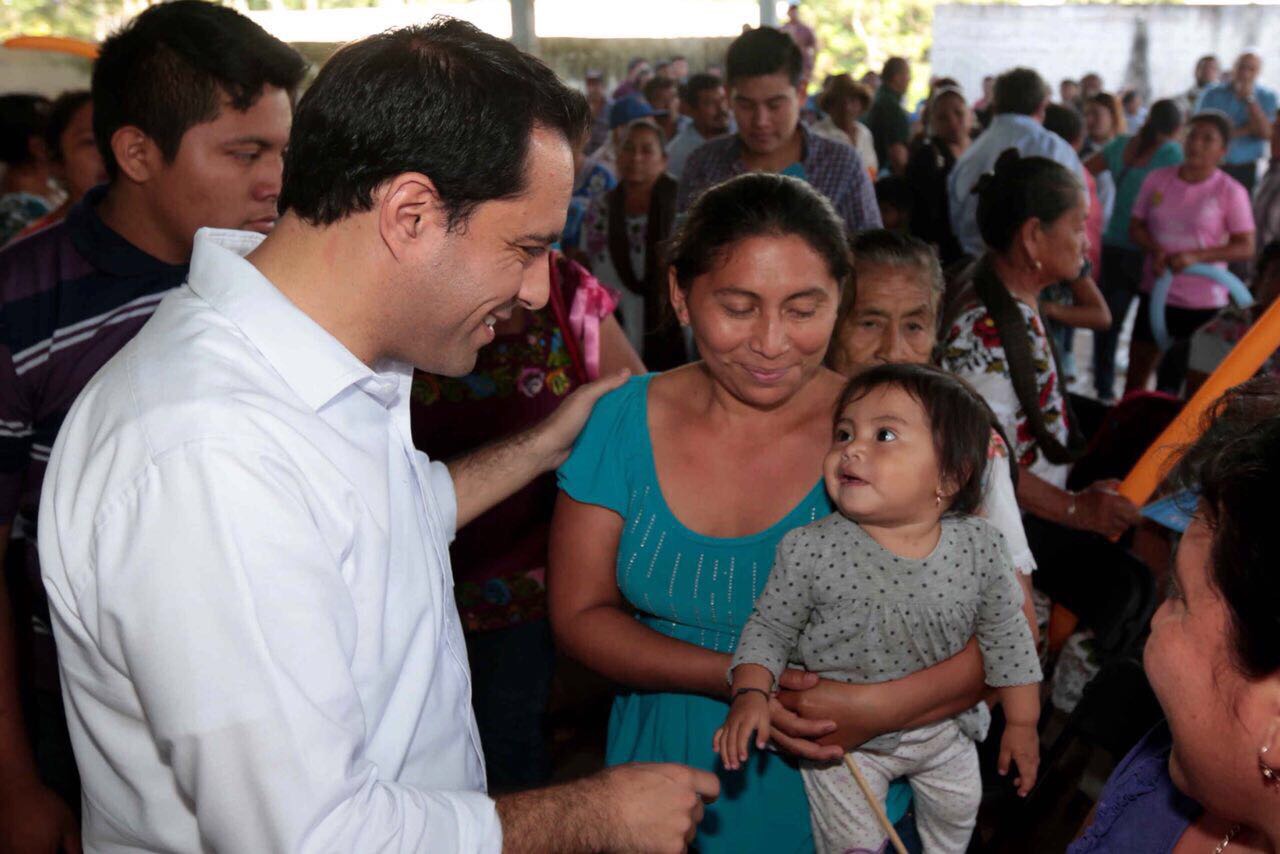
895 191
959 418
64 109
894 66
764 51
656 85
444 99
698 84
1020 91
168 69
1235 466
1065 121
22 118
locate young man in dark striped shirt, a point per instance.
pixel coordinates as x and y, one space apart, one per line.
192 108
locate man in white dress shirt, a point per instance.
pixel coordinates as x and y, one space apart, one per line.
1021 98
246 559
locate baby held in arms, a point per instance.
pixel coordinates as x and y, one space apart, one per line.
896 581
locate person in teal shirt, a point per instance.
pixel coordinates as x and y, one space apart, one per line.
1129 158
682 485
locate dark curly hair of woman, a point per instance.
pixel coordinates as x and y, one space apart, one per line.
1235 466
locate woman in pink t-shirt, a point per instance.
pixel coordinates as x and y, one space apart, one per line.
1193 213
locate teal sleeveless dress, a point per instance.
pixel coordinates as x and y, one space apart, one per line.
700 590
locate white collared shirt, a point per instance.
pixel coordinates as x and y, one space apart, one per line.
247 564
1007 130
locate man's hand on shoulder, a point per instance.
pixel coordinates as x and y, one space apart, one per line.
553 439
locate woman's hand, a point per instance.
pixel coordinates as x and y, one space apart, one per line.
748 714
838 708
1159 262
1180 261
1104 511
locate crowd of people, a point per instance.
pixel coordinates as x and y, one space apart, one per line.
333 422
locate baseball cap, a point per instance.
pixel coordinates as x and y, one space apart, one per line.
626 110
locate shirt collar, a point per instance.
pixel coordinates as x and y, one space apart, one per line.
106 250
314 363
1016 119
806 147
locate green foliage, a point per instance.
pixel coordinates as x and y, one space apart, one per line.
78 18
857 36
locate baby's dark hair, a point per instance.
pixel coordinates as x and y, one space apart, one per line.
960 419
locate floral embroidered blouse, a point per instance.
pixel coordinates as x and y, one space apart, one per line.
499 559
972 349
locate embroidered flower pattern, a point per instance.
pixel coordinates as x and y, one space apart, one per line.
973 349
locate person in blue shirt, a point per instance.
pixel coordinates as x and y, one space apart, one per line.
1251 109
1021 97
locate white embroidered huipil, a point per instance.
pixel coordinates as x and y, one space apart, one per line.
247 564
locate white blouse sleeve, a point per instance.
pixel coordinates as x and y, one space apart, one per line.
1000 508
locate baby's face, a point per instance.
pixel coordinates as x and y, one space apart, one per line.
883 468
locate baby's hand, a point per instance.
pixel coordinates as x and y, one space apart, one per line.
1021 743
749 713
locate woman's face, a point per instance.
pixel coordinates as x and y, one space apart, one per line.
762 317
1218 718
852 109
1060 248
949 117
1204 147
893 320
81 165
641 160
1098 123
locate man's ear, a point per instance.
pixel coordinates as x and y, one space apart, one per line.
136 154
409 210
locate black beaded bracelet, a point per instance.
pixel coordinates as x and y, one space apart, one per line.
741 691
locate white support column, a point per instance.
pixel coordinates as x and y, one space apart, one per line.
768 13
523 32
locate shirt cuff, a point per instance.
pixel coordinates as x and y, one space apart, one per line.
441 484
484 827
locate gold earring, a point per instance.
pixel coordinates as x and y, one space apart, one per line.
1270 774
938 496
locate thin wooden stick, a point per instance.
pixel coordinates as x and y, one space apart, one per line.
875 805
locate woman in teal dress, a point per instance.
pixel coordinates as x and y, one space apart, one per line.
678 492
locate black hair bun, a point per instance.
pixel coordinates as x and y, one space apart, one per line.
1008 160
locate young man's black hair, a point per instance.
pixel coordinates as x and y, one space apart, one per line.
443 99
170 68
764 51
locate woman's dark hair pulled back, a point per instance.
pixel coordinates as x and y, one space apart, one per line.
1235 465
1023 188
758 204
1163 120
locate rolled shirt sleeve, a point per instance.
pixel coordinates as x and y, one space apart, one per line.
237 631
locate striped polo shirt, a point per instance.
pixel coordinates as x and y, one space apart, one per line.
71 295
